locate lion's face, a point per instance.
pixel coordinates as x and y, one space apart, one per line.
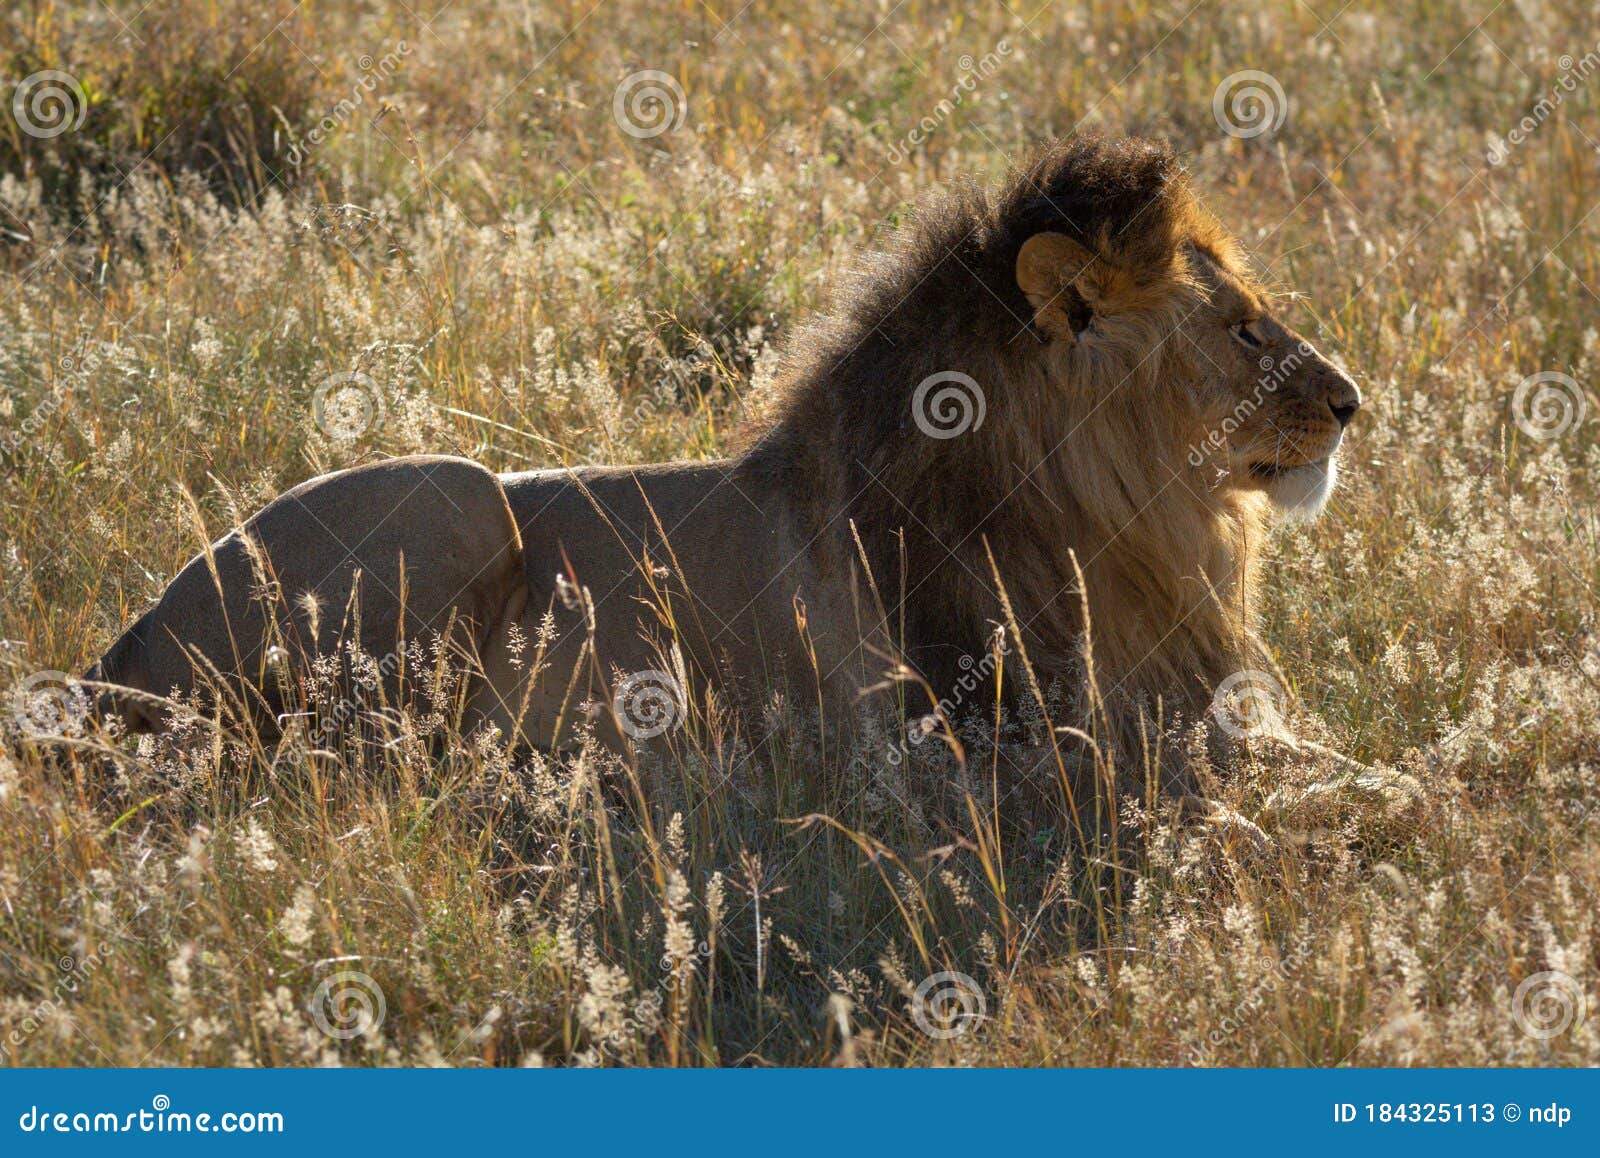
1266 411
1273 408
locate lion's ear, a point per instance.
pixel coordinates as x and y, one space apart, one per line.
1050 268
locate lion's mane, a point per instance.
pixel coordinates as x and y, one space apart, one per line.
1059 477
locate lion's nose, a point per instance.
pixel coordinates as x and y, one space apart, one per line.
1344 398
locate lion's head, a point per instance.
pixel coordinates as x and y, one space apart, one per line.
1075 372
1267 410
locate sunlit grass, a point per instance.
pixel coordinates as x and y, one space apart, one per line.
532 286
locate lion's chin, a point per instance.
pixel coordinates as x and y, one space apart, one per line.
1301 492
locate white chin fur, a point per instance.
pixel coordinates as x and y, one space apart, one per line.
1301 493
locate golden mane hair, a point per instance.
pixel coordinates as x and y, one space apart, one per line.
1082 471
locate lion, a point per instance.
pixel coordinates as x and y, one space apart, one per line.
1062 408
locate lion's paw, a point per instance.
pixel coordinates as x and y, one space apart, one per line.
1227 826
1380 796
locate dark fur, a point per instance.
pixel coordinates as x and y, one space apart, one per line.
947 299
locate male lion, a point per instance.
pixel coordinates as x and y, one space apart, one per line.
1072 375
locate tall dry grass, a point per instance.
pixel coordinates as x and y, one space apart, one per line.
527 283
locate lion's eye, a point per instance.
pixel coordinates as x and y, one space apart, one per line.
1244 334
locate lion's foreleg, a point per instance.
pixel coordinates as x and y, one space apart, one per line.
1350 782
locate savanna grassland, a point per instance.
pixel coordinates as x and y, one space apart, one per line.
245 241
